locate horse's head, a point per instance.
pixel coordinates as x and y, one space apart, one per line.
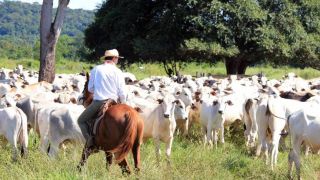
87 96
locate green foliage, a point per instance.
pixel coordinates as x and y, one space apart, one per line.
140 29
23 19
19 32
244 32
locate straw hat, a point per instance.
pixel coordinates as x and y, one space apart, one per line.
111 53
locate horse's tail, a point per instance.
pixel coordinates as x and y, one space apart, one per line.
129 136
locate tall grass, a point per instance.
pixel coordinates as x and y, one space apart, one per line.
189 160
143 70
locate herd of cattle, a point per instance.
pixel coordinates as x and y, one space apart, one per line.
268 109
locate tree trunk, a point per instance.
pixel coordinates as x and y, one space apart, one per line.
49 34
232 66
236 65
242 67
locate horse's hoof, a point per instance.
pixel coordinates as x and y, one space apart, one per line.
126 172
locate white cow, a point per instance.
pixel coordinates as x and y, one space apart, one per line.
181 116
304 126
210 121
64 127
159 121
13 125
274 118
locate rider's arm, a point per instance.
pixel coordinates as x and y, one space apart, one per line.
91 80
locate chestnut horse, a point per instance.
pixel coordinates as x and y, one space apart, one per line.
119 131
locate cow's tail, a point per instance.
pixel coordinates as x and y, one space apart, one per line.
248 105
128 137
23 133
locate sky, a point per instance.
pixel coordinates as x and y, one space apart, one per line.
74 4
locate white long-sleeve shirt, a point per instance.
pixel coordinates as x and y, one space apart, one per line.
107 81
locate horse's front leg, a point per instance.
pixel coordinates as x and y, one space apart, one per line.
125 167
85 155
109 157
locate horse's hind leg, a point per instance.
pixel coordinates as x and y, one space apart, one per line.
124 166
85 155
136 155
108 159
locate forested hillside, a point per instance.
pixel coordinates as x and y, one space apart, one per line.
19 30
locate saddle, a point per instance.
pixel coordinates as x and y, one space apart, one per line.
104 107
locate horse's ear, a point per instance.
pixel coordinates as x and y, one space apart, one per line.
138 109
87 75
160 101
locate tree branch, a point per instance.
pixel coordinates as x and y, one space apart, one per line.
61 12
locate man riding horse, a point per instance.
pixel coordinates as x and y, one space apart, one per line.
108 86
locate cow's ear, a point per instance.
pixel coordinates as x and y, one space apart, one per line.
201 101
277 85
73 100
229 103
135 93
213 93
138 109
227 92
262 90
193 107
215 102
160 101
178 93
56 100
176 101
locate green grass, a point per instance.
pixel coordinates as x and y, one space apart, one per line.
154 69
63 66
189 160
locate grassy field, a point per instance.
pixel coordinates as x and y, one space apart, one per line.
190 160
148 70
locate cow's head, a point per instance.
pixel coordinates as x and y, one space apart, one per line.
225 103
185 96
180 110
168 104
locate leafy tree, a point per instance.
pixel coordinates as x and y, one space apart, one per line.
240 32
140 29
